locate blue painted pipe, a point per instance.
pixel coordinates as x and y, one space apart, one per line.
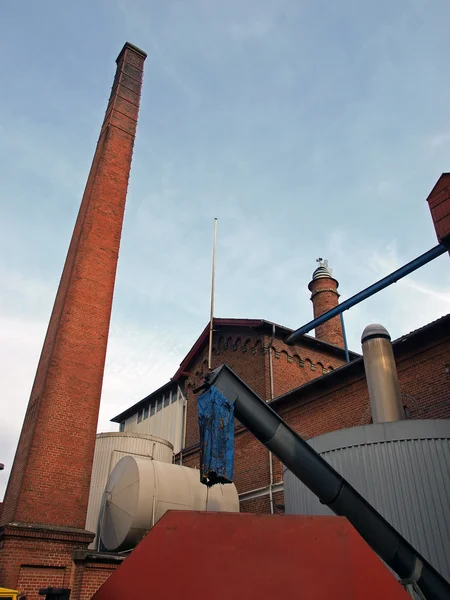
418 262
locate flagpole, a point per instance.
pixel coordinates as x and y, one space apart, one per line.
211 320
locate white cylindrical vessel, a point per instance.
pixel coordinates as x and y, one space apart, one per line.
139 491
110 448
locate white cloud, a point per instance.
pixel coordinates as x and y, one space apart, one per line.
403 306
439 141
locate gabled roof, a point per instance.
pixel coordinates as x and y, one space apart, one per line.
253 324
329 379
203 338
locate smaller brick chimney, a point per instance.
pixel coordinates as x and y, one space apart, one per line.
324 296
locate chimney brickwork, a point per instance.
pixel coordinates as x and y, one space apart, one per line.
49 482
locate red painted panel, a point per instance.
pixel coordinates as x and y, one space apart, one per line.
196 555
439 203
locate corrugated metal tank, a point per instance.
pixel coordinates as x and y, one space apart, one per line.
110 448
139 491
402 468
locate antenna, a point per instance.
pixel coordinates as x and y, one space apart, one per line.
211 320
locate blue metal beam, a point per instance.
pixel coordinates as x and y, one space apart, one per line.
418 262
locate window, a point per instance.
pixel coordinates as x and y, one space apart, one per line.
140 415
152 409
166 400
159 405
407 412
174 396
122 426
146 412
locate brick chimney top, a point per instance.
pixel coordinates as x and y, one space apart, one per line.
324 296
129 46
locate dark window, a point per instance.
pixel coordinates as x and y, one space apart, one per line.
407 412
159 405
174 396
167 400
146 412
152 409
140 415
122 426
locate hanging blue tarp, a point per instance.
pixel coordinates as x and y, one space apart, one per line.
216 421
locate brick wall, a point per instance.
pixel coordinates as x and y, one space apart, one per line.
340 399
33 557
296 365
246 351
31 579
89 577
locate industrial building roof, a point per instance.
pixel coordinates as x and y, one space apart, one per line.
355 366
324 381
202 339
254 324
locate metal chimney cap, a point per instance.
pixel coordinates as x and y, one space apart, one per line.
323 270
375 330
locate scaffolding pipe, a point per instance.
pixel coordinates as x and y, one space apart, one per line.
327 484
415 264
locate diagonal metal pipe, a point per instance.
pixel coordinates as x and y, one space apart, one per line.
413 265
327 484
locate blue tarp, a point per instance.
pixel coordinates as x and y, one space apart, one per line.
216 421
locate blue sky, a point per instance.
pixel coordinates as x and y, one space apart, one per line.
309 128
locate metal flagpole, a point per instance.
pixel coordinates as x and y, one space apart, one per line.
211 321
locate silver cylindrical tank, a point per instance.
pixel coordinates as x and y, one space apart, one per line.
402 469
139 491
109 449
381 375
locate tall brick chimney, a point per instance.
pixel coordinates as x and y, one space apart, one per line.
324 296
48 488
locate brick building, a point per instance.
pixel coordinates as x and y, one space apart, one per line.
309 384
43 540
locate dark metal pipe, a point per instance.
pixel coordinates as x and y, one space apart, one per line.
327 484
415 264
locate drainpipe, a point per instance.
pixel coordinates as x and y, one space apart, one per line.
183 434
271 397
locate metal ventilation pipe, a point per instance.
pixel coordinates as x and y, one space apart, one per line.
381 375
326 483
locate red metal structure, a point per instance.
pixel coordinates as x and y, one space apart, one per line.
203 555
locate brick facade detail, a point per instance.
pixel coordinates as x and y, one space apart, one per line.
34 556
253 353
336 400
91 571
